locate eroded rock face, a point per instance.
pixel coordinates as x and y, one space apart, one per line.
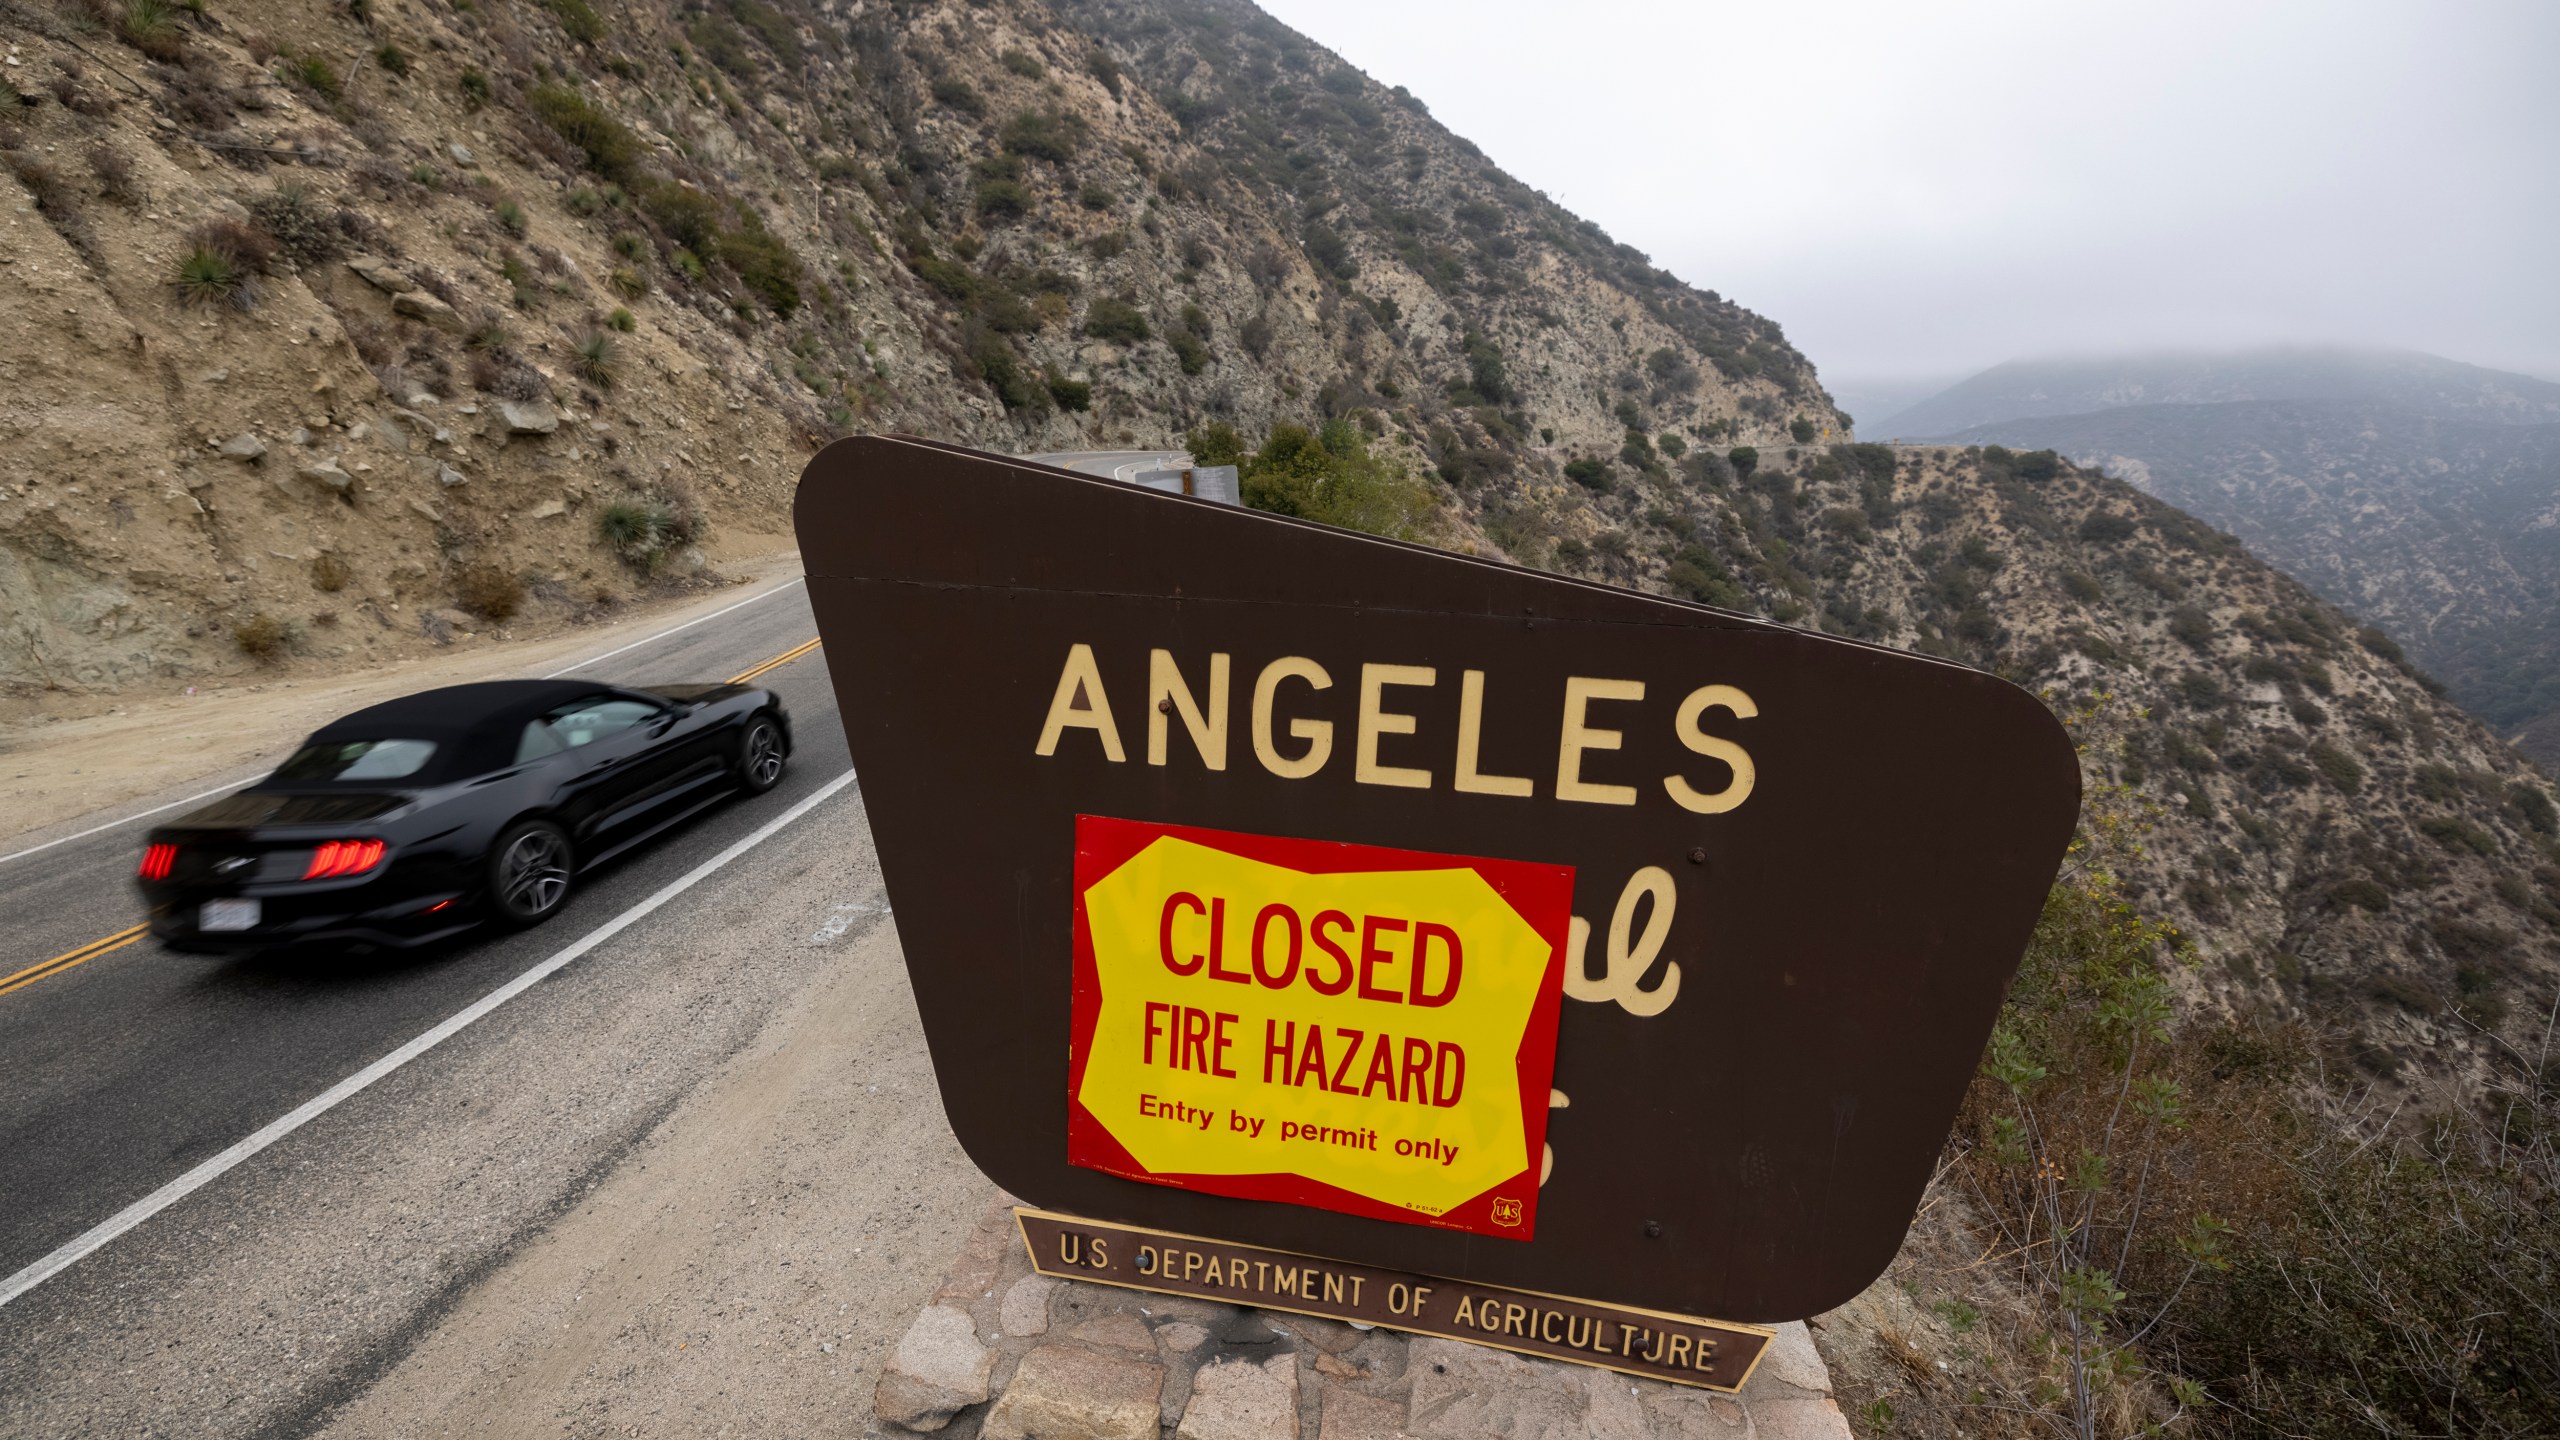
529 417
380 274
421 306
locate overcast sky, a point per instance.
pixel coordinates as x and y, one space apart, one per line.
1922 190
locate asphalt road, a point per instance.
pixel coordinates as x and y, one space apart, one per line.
273 1291
123 1071
1116 463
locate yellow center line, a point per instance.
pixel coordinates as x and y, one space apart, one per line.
785 658
70 958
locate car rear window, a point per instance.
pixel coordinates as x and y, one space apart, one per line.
358 760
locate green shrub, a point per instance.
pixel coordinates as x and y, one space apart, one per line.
1802 429
960 95
1330 476
768 266
1099 64
474 85
611 148
2456 833
2339 766
313 73
2105 527
2192 626
1671 445
392 58
512 219
1116 321
622 320
1000 200
1071 394
1022 63
1003 371
1051 135
578 18
1187 349
627 283
1215 443
1591 473
1743 459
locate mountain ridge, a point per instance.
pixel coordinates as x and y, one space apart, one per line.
2041 388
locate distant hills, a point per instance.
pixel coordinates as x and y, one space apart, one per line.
2035 389
2420 493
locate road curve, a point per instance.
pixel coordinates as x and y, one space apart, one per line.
1118 464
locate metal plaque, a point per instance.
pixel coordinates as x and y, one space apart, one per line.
1803 869
1683 1349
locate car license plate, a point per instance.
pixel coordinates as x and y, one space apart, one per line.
228 915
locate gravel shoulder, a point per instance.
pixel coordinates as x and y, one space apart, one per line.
743 1270
141 751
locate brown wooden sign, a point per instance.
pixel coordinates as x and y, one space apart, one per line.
1802 873
1679 1348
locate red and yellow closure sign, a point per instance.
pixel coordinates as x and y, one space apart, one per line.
1344 1026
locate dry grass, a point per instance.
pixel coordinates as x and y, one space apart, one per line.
263 637
489 592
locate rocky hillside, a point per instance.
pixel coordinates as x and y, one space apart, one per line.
2422 495
2343 845
344 331
340 330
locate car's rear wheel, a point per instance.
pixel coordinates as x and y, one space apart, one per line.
530 871
761 755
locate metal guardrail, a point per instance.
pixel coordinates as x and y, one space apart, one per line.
1209 482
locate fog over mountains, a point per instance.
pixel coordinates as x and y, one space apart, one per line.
2421 493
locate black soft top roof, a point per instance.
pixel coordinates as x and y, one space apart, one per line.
475 727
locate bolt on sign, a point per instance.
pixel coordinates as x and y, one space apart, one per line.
1331 896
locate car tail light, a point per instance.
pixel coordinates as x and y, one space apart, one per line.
336 858
156 860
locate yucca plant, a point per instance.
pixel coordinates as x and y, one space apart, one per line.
151 26
210 275
593 355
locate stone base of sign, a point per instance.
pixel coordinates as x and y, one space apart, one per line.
1004 1354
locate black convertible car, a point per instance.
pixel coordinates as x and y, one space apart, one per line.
411 820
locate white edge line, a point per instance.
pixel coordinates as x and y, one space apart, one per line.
309 1110
233 784
663 634
129 819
